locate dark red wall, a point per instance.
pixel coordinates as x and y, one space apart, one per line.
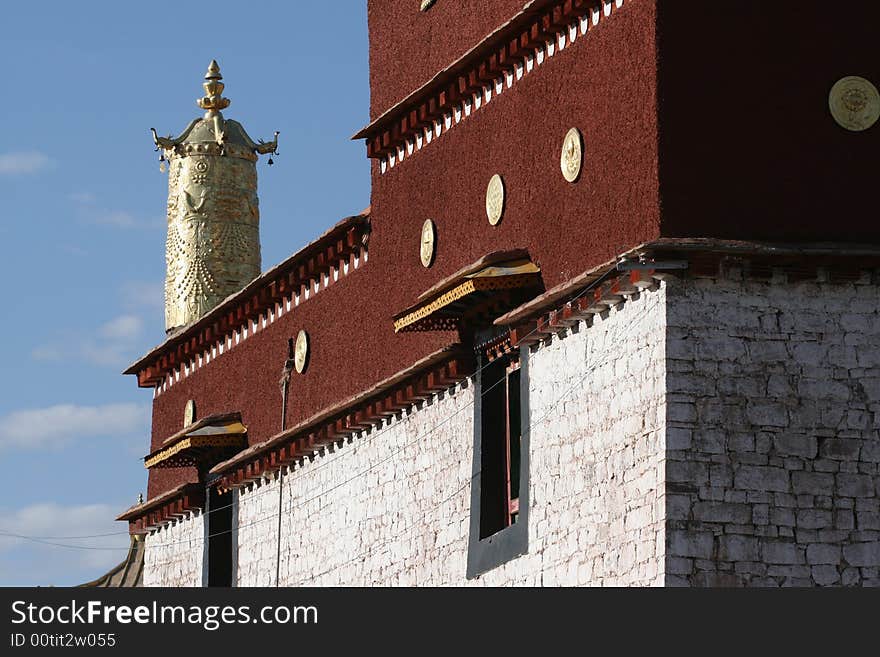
353 346
748 148
408 47
604 84
715 112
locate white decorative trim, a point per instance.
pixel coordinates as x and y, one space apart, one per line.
239 334
508 78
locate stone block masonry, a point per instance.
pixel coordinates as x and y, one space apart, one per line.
173 554
392 507
773 433
706 432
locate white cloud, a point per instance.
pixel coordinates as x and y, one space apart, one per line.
52 521
118 219
115 343
92 213
23 162
74 250
124 327
30 563
124 220
49 353
140 294
86 198
108 353
54 426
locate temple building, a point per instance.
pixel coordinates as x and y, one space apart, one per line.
611 316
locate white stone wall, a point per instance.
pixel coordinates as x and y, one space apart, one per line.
173 554
774 433
392 507
386 508
707 432
597 457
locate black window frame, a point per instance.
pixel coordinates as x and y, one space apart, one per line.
220 538
485 554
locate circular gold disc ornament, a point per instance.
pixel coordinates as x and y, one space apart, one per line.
429 237
189 413
301 351
495 199
854 103
572 155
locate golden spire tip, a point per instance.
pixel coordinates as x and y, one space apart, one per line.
213 71
213 100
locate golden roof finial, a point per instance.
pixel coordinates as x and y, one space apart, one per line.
213 71
213 100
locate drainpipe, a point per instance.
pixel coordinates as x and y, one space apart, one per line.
285 387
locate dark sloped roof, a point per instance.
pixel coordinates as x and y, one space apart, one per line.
129 573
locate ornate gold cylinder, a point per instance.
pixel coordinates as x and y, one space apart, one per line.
213 244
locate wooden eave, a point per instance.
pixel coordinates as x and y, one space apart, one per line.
217 418
196 445
428 376
487 260
315 259
832 251
473 293
164 508
561 291
602 287
506 46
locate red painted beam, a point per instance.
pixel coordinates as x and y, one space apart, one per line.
524 334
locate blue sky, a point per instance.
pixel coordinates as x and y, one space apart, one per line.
82 207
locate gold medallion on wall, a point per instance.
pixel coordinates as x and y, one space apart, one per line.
189 413
428 243
301 352
572 156
495 199
854 103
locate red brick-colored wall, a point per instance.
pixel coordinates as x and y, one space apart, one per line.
699 119
748 147
353 346
604 83
408 47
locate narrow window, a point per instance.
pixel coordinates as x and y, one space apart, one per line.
500 482
514 435
219 527
501 430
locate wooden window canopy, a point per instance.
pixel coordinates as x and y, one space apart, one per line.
202 444
489 287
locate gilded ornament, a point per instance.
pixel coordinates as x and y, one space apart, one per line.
189 413
429 238
301 352
495 199
572 156
854 103
213 242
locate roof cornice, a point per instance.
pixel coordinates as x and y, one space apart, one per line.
298 272
497 54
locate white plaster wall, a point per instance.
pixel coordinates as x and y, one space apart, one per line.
392 507
173 554
598 456
774 433
709 432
